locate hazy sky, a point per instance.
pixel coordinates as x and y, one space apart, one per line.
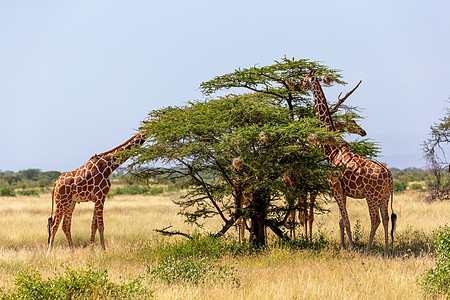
78 77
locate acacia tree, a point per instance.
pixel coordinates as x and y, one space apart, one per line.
437 165
267 128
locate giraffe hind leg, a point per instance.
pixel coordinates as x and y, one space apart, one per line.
385 220
67 222
54 228
374 223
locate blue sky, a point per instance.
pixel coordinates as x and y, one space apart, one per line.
78 77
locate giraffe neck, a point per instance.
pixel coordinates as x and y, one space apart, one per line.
107 162
321 106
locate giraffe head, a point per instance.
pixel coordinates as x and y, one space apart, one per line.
308 81
349 126
310 78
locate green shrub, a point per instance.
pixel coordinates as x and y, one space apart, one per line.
199 246
416 187
73 284
7 191
400 185
198 271
137 190
28 193
437 280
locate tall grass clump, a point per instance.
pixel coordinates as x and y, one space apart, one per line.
437 280
73 284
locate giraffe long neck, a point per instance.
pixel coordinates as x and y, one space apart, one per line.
111 161
321 106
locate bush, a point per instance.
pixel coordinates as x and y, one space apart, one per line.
28 193
73 284
137 190
199 246
7 191
416 187
437 280
193 270
400 185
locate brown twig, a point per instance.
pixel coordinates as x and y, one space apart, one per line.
341 100
165 232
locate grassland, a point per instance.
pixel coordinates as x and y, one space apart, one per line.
275 273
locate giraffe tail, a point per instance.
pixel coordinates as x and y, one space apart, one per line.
393 217
50 220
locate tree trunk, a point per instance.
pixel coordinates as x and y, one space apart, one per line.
258 213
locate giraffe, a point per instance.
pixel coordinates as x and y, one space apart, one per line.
305 207
360 177
90 182
292 179
243 197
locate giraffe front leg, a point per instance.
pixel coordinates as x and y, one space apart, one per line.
100 224
93 229
344 222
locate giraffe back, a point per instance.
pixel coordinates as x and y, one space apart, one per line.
361 177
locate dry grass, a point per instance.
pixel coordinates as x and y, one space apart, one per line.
275 274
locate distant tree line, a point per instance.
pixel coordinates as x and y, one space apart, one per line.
12 183
30 178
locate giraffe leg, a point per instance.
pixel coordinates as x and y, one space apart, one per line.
385 219
54 227
93 229
292 224
344 222
67 221
374 221
97 223
241 229
310 221
302 216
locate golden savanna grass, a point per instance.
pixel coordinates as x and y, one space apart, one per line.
276 273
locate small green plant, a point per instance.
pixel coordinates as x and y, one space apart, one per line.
198 271
437 280
416 187
73 284
7 191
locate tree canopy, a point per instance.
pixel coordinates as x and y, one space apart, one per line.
437 164
263 122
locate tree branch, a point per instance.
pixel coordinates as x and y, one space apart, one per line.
165 232
341 100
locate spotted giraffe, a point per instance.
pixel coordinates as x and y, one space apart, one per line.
306 201
360 177
90 182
